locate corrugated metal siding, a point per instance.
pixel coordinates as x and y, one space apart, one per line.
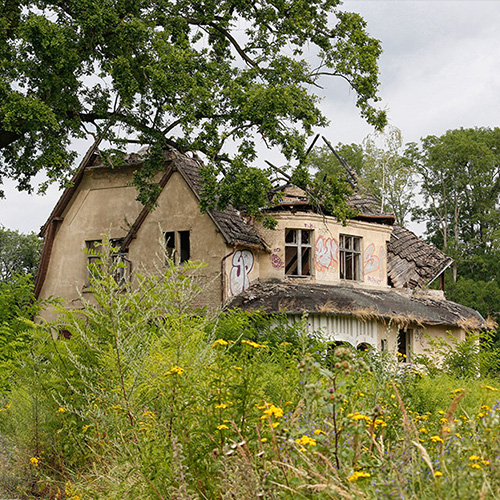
341 328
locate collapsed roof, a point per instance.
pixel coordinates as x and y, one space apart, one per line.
400 307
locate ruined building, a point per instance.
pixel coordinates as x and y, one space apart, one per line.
364 283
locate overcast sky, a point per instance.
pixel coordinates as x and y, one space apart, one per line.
440 70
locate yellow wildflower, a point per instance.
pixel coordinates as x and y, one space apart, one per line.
306 441
476 466
271 411
221 406
34 461
61 409
263 440
319 431
175 370
438 473
222 427
474 458
253 344
423 430
219 342
358 475
275 424
436 439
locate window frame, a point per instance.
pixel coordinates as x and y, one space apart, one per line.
299 247
94 252
180 251
350 253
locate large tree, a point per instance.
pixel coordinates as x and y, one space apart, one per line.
381 167
191 74
460 181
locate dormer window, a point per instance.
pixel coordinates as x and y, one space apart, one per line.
350 257
298 252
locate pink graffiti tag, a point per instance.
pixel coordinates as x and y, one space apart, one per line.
242 264
372 261
327 253
276 261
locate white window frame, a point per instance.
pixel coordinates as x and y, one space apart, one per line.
299 247
350 257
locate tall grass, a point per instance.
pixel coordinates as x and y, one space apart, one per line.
142 397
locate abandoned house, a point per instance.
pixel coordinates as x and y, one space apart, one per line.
364 283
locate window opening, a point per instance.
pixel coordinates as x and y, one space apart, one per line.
350 257
122 266
177 246
298 252
364 347
404 345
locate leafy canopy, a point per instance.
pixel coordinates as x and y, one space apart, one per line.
216 77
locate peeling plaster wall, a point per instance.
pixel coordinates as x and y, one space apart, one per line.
325 253
103 203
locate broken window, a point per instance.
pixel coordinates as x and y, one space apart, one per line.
404 344
94 252
350 257
177 246
298 252
117 263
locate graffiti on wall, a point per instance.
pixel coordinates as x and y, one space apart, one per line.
327 253
276 260
242 264
373 263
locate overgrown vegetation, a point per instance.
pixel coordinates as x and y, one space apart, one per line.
139 397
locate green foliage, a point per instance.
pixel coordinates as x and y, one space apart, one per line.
17 308
19 253
381 166
460 183
483 296
476 355
205 76
138 397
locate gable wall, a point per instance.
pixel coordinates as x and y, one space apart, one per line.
178 210
103 203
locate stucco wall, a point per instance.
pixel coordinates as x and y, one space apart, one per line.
419 338
178 210
325 254
103 203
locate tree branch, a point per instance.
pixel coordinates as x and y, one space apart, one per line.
7 138
230 37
